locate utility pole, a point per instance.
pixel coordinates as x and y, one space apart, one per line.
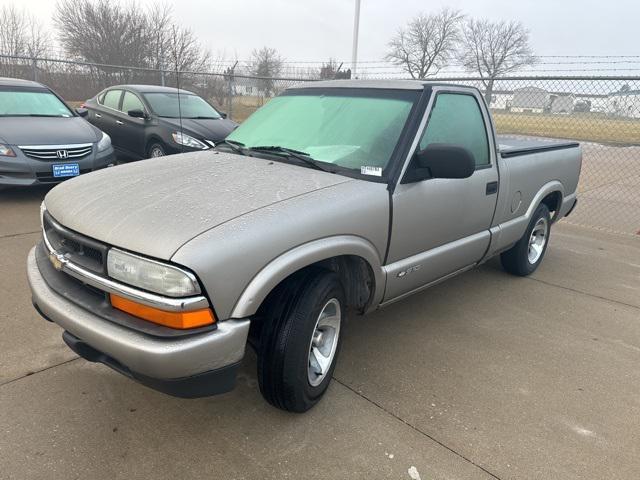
354 51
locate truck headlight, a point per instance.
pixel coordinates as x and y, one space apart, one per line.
182 138
104 143
6 151
151 275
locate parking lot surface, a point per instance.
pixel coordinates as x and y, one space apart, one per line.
484 376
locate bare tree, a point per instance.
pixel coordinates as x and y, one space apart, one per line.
329 70
20 35
184 52
103 31
493 49
266 63
427 43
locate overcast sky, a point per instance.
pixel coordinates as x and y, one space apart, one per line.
313 30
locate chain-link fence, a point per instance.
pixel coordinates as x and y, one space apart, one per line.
603 113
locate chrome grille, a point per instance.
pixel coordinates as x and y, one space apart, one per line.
57 152
82 250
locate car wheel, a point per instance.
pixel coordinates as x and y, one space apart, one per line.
300 340
156 149
526 255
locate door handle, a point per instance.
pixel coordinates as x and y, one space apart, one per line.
119 122
98 115
492 187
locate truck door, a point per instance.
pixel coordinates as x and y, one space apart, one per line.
441 226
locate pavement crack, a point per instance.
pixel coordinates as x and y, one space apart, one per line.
416 429
574 290
13 380
13 235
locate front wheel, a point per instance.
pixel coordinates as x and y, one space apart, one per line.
526 255
300 340
156 149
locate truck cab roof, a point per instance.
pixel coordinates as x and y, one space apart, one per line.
379 84
17 82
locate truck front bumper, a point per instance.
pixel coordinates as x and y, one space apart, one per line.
191 366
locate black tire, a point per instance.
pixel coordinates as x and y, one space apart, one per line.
156 149
516 260
285 340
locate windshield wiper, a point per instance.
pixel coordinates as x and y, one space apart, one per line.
237 147
202 118
289 152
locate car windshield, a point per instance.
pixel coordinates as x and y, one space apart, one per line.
351 129
31 103
190 106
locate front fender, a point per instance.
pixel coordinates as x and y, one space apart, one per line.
302 256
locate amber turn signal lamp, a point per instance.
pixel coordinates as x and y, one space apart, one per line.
179 320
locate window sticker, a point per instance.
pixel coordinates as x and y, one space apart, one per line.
374 171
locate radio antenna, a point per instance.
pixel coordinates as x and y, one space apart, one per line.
179 103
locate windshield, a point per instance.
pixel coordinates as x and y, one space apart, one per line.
18 103
190 106
352 129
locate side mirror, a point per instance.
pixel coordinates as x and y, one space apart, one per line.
223 114
137 113
441 160
83 112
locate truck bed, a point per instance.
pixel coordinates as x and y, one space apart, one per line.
512 147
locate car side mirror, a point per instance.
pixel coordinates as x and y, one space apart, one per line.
83 112
137 113
441 160
223 114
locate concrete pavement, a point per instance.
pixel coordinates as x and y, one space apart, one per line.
484 376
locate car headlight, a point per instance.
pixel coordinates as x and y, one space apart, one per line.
104 143
182 138
6 151
151 275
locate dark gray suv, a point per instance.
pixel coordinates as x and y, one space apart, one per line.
42 140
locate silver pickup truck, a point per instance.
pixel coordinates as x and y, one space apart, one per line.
335 197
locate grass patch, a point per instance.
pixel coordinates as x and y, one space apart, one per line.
578 126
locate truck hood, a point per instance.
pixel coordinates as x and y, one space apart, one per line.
155 206
47 130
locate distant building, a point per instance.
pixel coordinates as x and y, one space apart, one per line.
625 104
501 100
563 103
530 100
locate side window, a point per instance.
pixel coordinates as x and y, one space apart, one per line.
457 119
131 102
112 99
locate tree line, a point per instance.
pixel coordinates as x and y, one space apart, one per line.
109 32
431 42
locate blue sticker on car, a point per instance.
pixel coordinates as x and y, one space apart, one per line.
66 170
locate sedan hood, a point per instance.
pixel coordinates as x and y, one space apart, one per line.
209 129
46 131
155 206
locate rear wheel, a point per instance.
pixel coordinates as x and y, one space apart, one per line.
156 149
526 255
300 340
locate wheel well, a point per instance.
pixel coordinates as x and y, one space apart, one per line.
553 201
355 275
152 139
